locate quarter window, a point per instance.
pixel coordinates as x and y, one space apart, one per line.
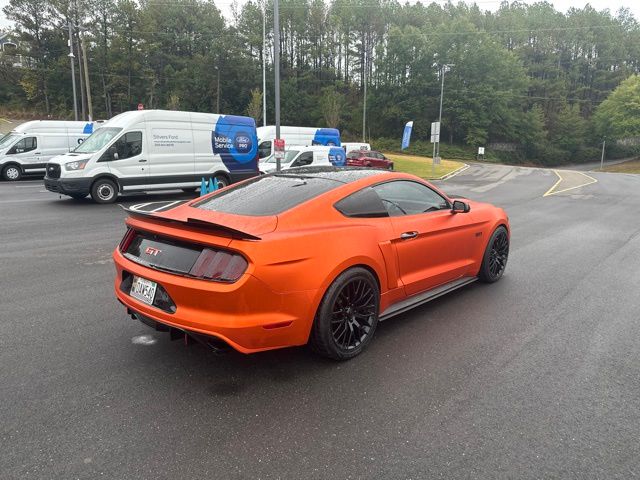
25 145
403 197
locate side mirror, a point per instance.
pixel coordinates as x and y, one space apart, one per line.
460 207
113 152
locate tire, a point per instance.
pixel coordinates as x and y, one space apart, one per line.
495 256
348 315
104 190
12 172
78 196
223 180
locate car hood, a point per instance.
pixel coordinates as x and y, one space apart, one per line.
70 157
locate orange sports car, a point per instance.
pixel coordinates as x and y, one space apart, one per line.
310 255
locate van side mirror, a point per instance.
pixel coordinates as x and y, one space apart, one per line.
113 152
460 207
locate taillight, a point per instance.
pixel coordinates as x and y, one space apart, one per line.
219 266
127 239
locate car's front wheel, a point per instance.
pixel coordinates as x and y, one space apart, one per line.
11 172
495 256
104 190
348 315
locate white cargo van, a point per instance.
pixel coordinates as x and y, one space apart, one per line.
304 156
27 148
296 136
156 150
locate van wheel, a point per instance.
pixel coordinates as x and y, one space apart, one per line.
104 190
12 173
223 180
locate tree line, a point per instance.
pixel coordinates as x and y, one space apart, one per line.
524 78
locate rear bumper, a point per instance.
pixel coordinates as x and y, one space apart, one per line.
247 315
68 186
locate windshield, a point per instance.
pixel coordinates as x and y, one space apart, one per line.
8 140
97 140
289 155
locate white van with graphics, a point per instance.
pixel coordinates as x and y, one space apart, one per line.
299 136
156 150
27 148
351 146
304 156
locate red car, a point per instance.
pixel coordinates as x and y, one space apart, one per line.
368 158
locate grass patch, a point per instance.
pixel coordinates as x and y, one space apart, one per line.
632 166
421 166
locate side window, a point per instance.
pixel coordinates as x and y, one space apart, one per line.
377 155
25 145
264 149
129 145
404 197
353 155
305 158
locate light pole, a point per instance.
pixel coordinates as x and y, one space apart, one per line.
73 72
364 101
604 141
444 70
264 64
276 67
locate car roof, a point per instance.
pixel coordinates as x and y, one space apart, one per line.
279 192
340 174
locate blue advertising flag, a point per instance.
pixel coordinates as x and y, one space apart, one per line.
406 136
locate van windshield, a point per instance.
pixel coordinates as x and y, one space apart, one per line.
289 155
8 140
97 140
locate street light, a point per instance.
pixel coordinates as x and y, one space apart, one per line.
264 64
73 73
276 67
445 68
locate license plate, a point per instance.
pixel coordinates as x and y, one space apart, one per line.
143 289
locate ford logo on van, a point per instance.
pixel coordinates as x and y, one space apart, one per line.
243 143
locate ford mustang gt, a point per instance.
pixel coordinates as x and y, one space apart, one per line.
310 255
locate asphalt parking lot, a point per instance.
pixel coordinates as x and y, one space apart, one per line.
537 376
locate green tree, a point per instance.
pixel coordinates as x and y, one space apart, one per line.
618 116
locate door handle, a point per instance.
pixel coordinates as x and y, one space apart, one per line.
142 161
408 235
37 153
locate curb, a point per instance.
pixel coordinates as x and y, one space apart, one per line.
454 173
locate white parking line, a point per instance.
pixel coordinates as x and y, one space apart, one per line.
165 206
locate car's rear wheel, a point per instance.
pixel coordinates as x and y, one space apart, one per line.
11 173
495 256
348 315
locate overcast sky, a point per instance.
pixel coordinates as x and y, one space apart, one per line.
562 5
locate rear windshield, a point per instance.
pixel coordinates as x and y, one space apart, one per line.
268 195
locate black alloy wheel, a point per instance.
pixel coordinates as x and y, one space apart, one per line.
348 315
495 256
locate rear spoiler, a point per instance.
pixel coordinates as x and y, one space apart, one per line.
191 222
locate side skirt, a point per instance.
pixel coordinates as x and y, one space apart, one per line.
424 297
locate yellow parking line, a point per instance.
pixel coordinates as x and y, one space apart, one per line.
560 179
548 192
